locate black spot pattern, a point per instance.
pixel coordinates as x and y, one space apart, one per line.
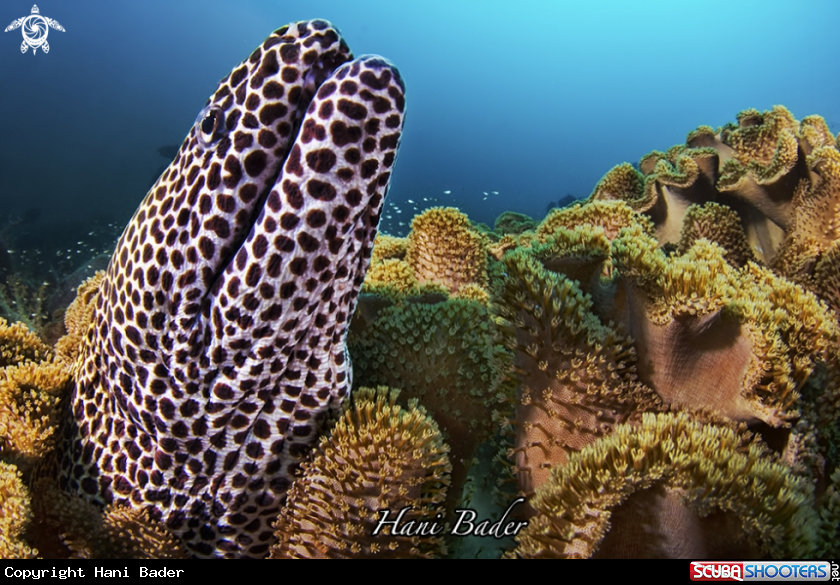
224 270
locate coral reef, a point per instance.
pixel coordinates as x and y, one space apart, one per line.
652 297
577 374
662 359
29 396
379 456
33 383
444 255
78 317
719 224
672 487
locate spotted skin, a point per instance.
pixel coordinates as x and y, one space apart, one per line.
217 349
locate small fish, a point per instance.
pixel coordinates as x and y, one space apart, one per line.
447 192
411 201
494 192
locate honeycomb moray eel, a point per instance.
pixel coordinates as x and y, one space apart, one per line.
218 343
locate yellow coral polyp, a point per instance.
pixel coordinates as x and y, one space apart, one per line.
443 248
390 274
387 247
611 216
78 317
15 514
720 224
670 462
117 532
623 183
378 456
18 344
29 394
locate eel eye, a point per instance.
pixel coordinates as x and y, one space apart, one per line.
210 125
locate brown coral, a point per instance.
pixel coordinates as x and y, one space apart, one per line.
757 167
444 248
78 317
765 165
380 456
117 532
675 181
19 344
719 224
624 183
611 216
671 487
578 375
15 514
667 185
29 395
444 354
826 281
709 336
815 224
704 335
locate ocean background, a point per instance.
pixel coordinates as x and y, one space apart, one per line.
532 100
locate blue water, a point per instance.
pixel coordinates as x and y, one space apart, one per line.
534 100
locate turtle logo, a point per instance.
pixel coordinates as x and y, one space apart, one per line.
35 28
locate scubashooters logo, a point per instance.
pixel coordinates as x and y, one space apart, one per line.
34 29
798 571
